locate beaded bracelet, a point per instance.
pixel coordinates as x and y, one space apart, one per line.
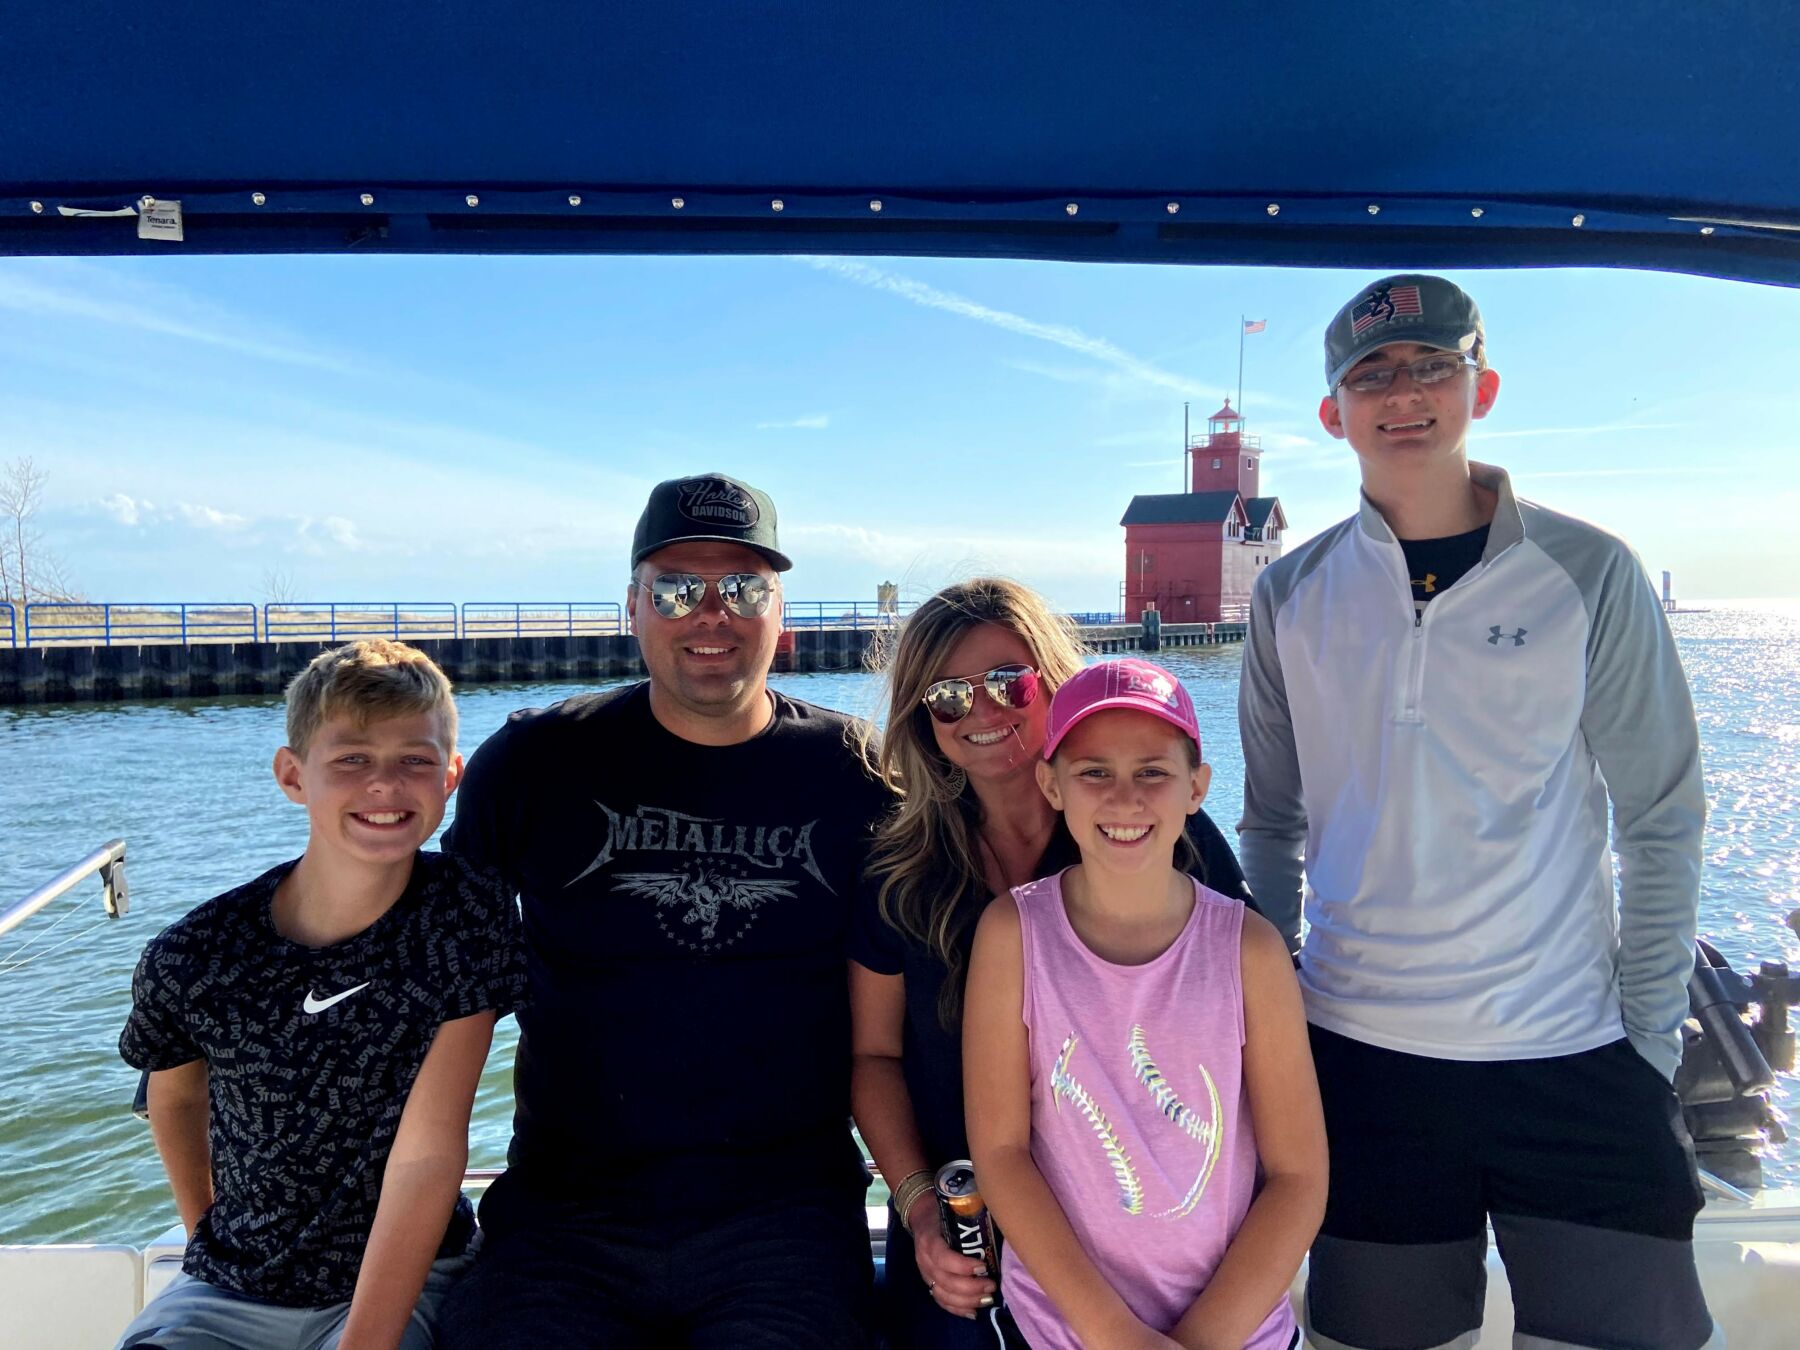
907 1193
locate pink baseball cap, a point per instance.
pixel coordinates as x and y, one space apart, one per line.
1142 686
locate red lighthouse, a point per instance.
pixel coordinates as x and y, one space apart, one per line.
1193 556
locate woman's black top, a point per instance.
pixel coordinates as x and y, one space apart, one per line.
932 1053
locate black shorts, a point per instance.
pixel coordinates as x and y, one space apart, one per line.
793 1275
1582 1162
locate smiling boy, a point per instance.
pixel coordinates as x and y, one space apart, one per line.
1441 698
314 1038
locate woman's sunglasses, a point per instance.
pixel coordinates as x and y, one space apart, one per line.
1009 686
678 594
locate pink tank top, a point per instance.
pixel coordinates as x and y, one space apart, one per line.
1137 1116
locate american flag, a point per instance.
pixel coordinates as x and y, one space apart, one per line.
1255 325
1384 303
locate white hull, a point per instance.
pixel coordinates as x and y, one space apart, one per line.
80 1297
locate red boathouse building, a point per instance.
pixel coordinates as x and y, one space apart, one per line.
1193 556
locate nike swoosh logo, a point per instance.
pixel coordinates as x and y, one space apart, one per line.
311 1004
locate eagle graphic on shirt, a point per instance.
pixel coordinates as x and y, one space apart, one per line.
702 894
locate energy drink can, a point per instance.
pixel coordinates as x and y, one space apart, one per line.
964 1218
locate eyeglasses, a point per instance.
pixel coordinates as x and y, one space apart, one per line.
1433 369
1009 686
678 594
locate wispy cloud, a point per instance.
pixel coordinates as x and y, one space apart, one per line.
1061 335
918 552
126 510
211 518
1287 440
1664 471
1595 429
87 293
1136 440
328 534
136 511
815 422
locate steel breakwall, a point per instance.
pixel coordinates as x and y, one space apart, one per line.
134 674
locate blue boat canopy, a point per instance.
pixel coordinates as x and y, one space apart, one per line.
1537 132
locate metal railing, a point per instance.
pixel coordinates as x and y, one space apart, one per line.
340 621
51 623
1224 442
551 618
842 614
108 860
65 623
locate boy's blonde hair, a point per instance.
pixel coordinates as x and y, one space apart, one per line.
366 681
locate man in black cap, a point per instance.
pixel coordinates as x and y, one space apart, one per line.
682 1171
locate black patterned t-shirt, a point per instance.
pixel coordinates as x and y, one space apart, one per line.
310 1054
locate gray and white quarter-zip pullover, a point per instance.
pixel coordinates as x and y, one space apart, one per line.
1440 781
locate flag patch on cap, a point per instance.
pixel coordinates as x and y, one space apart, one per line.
1384 304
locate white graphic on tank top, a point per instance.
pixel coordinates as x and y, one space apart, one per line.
1177 1112
702 894
1206 1133
1065 1088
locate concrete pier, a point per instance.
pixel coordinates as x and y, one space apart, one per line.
134 674
1120 638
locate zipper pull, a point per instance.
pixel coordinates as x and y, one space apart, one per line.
1418 617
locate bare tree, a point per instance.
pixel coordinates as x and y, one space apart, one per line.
29 570
277 586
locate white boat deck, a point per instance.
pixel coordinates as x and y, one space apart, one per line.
81 1296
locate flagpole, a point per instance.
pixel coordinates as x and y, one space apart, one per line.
1242 321
1185 451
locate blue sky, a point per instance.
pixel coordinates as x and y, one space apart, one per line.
486 428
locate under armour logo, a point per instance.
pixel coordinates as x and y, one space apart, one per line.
1494 636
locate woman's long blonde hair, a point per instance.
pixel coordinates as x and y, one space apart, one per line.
925 854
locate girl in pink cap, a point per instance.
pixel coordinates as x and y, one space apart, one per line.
1142 1111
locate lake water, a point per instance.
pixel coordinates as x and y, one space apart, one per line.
188 786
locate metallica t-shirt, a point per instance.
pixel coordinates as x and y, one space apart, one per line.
686 909
310 1055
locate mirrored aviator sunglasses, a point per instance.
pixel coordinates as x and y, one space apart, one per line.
1009 686
678 594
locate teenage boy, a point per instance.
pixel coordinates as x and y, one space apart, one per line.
314 1037
1440 695
686 849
